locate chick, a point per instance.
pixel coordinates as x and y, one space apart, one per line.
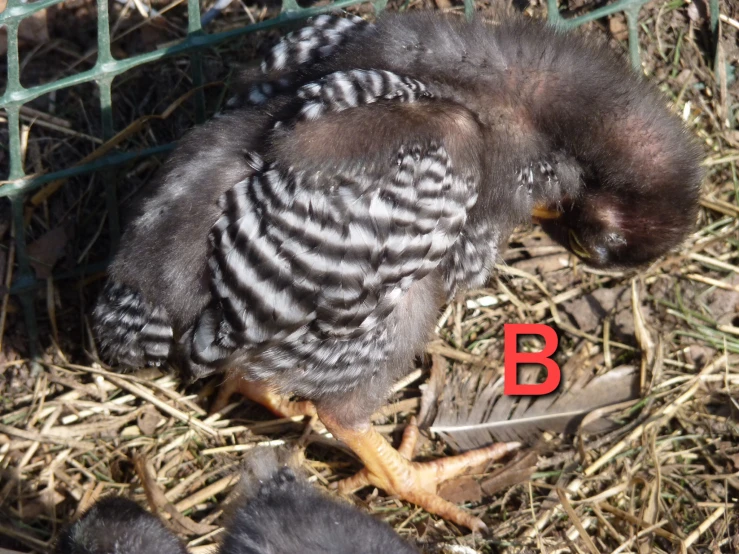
116 525
306 241
274 512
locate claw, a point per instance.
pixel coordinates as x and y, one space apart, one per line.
394 472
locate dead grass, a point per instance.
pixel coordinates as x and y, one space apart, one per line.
667 480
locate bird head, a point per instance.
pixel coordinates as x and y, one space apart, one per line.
634 191
627 226
616 176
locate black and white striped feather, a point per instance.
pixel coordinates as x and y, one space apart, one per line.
319 39
348 89
310 266
305 268
131 331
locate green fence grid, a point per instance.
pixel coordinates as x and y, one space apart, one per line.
19 185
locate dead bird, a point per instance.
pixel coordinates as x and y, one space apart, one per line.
307 240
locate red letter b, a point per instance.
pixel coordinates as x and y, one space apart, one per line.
513 358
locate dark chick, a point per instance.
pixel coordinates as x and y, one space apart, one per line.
306 241
276 512
117 525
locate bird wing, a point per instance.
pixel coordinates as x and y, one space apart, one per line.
131 331
299 50
321 38
364 193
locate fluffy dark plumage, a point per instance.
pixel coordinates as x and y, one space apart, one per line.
116 525
310 236
275 512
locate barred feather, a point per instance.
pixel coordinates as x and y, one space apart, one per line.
348 89
288 257
470 261
302 263
321 38
537 175
132 333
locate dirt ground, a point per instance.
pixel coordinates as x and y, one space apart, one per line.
657 473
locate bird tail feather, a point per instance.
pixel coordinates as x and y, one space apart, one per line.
132 332
281 69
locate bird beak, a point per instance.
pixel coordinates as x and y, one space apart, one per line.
542 212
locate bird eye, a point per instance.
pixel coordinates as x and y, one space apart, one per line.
576 246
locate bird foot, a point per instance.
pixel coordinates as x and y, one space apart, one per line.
260 393
394 472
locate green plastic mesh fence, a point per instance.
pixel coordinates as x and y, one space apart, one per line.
19 186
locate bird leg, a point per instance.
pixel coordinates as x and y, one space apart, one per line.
259 392
394 472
